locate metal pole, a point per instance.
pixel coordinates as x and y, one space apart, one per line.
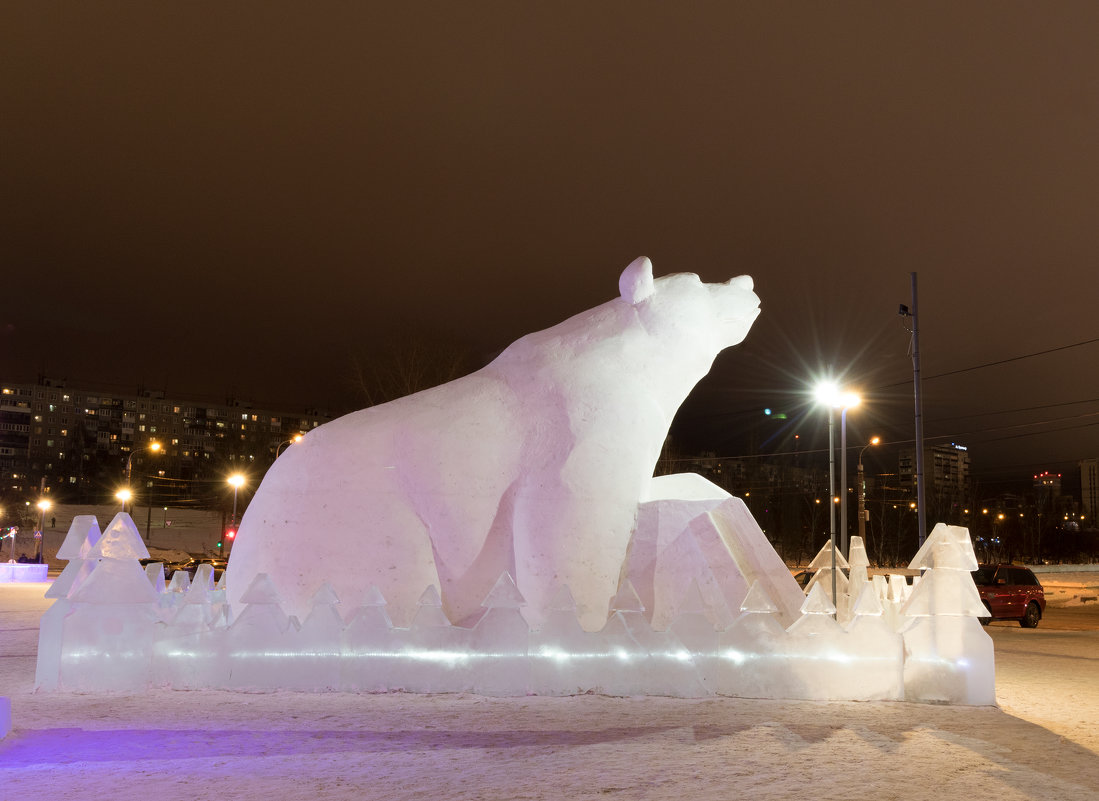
832 493
38 535
862 501
918 391
843 481
233 523
41 521
129 468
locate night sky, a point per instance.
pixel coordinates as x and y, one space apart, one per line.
250 198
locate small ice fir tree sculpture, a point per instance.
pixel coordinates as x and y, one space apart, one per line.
949 655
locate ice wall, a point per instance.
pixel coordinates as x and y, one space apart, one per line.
123 628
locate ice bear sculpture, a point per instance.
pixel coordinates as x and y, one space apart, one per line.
533 464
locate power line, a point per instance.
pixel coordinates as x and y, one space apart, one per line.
999 362
1038 433
1015 426
1016 411
714 460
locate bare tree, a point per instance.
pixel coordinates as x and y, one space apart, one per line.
403 365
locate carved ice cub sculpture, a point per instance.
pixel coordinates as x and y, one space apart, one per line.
533 464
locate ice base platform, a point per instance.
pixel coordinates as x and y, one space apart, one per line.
19 572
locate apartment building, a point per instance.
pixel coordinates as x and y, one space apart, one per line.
946 472
1089 487
75 443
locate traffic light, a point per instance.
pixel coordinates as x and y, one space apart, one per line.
231 534
219 544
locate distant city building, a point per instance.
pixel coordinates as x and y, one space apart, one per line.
75 442
946 472
1047 486
1089 487
1050 501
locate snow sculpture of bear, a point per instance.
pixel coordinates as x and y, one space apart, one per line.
534 464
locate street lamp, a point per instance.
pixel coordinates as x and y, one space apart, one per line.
43 506
153 447
829 395
292 440
862 490
849 400
236 481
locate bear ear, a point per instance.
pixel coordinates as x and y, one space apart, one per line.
636 281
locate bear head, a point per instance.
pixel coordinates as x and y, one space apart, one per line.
681 308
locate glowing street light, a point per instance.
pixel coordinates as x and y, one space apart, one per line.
124 495
236 481
849 400
828 394
291 441
43 507
153 447
862 489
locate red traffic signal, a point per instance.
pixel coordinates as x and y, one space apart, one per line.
231 534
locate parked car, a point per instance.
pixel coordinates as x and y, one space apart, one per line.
218 564
191 565
1010 592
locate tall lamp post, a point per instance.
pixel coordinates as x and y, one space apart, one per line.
236 481
43 507
849 401
828 393
153 447
862 489
825 392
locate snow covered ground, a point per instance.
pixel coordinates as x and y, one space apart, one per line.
1042 741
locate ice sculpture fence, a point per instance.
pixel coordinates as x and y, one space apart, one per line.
118 627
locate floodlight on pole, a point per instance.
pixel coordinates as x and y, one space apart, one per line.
862 489
236 481
848 400
152 447
43 506
827 394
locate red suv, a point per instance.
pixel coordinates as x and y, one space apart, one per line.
1010 592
